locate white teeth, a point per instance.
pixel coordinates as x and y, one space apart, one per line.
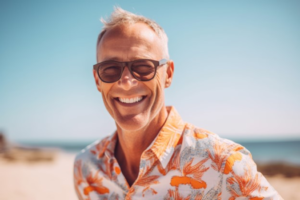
131 100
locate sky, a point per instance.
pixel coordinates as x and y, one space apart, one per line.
237 67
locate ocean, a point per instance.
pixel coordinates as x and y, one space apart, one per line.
262 151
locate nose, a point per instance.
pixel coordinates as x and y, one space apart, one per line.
127 81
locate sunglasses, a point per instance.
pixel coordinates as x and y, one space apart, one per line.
142 70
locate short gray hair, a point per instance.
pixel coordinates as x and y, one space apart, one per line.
121 17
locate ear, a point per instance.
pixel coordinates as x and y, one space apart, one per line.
169 74
97 80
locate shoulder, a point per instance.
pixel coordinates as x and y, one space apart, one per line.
94 150
231 161
90 155
222 153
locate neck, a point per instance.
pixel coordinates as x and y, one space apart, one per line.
131 145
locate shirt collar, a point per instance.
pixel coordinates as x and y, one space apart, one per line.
110 147
165 142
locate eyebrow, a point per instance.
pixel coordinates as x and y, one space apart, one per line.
133 58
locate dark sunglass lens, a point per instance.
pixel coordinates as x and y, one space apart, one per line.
143 70
110 71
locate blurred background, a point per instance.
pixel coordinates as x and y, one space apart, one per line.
237 67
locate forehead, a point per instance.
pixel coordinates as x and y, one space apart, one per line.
127 42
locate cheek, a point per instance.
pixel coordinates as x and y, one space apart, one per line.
158 94
105 95
159 80
105 88
158 88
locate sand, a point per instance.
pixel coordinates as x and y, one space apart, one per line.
49 180
288 188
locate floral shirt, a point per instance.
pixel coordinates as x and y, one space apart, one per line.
183 162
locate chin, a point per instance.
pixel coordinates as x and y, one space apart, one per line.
132 123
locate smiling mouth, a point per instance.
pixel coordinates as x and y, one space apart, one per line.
132 100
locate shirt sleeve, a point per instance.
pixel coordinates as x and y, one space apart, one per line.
243 180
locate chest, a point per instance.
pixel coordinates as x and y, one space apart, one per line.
155 182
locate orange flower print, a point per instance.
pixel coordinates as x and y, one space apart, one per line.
173 163
165 141
146 180
201 133
95 184
183 162
78 177
244 185
191 175
107 169
174 194
100 147
219 156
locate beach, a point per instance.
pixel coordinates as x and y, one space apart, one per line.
52 179
42 180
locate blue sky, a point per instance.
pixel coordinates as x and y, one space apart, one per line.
237 67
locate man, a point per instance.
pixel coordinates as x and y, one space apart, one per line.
154 154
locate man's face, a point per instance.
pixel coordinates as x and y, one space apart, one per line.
133 104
